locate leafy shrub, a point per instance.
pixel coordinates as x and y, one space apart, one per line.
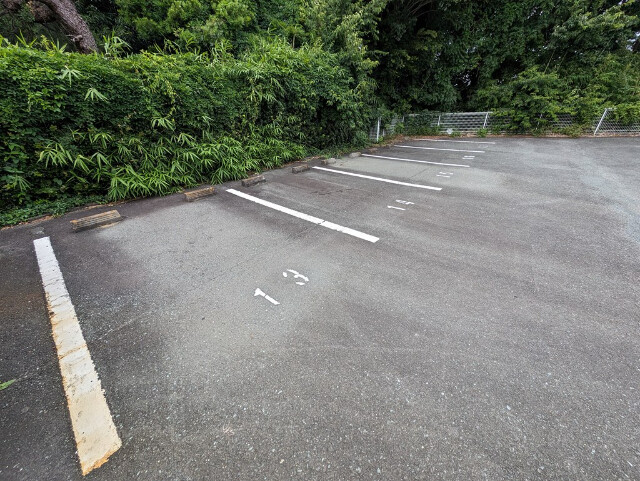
627 113
146 124
422 124
574 131
532 101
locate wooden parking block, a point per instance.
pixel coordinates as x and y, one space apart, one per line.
299 168
199 193
253 180
96 220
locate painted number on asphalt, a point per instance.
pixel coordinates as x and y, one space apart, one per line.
296 275
268 298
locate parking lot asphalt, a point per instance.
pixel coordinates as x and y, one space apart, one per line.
490 331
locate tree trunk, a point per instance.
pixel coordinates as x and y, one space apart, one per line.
65 12
75 26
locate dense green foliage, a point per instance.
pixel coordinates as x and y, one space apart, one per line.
152 123
190 91
444 54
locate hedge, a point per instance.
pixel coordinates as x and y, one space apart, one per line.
80 125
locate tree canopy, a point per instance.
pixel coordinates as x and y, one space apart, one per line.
415 54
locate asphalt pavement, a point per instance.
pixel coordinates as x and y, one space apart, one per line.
349 322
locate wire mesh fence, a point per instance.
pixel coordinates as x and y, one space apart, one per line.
609 124
463 122
498 122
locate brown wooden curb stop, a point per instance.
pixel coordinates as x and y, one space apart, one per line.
253 180
300 168
97 220
199 193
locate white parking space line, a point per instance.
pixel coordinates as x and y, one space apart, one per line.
459 141
446 176
413 160
435 148
397 208
93 428
380 179
308 218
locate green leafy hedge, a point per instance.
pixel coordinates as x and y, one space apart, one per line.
146 124
534 99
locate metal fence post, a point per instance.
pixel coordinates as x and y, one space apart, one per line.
438 120
378 130
600 123
486 117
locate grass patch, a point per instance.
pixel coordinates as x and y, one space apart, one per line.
5 385
46 207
